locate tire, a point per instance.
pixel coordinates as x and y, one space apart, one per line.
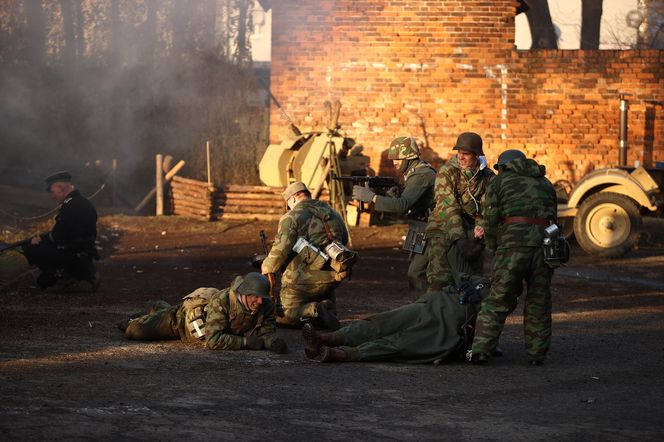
608 224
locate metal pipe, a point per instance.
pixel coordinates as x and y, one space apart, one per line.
624 107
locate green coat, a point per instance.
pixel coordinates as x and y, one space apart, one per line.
424 331
417 195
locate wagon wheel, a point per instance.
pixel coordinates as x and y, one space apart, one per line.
607 224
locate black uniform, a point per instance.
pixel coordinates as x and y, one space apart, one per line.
69 247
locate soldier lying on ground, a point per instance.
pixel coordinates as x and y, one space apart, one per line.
240 317
65 254
438 326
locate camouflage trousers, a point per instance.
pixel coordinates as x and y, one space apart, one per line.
417 274
298 303
445 261
159 323
511 268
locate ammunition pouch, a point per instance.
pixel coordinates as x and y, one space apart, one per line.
310 255
416 238
341 258
473 289
555 247
194 305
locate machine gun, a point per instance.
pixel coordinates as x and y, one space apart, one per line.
380 184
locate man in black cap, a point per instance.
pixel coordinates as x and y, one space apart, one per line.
65 254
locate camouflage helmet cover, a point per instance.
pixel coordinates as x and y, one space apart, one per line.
403 148
507 156
469 142
294 188
252 284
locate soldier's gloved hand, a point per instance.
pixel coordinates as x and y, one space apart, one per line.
254 343
279 346
470 248
394 192
364 194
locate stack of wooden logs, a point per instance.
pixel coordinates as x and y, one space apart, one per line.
192 198
249 202
200 200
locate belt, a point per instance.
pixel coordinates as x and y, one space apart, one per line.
525 220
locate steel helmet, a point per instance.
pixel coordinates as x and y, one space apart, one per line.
403 148
470 142
507 156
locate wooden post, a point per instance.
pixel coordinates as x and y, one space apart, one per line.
209 174
169 176
159 186
114 169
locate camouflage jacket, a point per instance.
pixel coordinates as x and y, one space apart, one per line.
417 195
307 220
458 194
520 189
228 322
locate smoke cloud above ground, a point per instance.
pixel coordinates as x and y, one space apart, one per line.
85 80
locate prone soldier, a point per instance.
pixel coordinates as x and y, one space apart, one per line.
437 327
520 209
240 317
416 200
65 254
310 249
451 234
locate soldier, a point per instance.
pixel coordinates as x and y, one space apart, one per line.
520 204
308 281
240 317
65 254
436 327
451 234
416 199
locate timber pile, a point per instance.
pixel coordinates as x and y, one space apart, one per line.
192 198
246 202
196 199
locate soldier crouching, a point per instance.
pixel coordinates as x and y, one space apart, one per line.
240 317
300 248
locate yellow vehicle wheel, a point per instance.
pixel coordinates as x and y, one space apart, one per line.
607 224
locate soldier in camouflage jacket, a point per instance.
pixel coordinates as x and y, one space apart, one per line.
235 318
459 192
520 204
416 200
307 282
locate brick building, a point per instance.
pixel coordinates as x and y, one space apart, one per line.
434 69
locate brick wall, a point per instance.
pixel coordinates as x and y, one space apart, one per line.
433 69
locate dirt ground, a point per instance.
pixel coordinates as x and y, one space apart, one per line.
67 373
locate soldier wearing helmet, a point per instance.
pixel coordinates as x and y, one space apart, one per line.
240 317
416 200
520 205
451 231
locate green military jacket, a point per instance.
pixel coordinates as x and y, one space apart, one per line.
417 195
520 189
307 219
228 322
458 194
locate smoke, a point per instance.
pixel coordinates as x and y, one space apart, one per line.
85 80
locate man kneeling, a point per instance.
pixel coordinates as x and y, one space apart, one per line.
438 326
235 318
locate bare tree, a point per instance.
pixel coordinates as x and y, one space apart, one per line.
591 17
542 31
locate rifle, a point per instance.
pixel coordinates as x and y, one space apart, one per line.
256 263
378 183
21 243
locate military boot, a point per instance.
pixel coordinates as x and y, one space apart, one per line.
333 354
314 340
326 318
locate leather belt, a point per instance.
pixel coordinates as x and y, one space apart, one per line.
525 220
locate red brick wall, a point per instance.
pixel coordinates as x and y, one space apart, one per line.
433 69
